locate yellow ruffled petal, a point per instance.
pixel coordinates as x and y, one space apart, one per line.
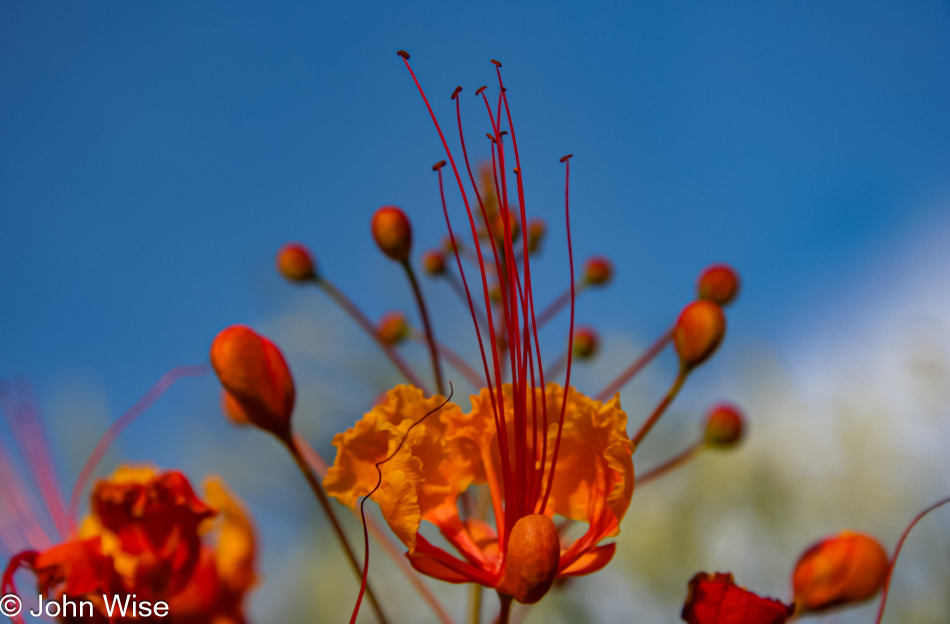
236 550
417 480
593 480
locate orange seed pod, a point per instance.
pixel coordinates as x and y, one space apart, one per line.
598 270
253 371
393 328
392 232
434 262
534 550
724 426
699 330
844 569
586 342
718 283
295 263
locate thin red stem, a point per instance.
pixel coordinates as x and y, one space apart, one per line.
367 326
897 552
307 470
671 464
635 368
427 325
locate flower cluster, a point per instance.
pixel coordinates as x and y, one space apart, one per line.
522 487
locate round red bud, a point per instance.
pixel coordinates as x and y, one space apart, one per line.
586 342
719 283
724 426
534 550
392 232
255 375
434 262
699 330
295 263
393 328
845 569
598 270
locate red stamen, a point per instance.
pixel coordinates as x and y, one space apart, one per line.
570 341
31 436
126 419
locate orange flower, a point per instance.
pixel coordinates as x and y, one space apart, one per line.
450 451
151 536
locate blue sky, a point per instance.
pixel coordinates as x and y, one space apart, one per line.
154 156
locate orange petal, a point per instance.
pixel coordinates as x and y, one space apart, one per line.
590 562
419 479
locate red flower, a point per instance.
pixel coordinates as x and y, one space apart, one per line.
717 599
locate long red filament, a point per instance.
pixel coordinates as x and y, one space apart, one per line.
570 340
27 427
514 332
126 419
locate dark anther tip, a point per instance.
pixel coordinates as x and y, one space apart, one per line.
403 54
496 63
456 92
438 165
565 158
480 89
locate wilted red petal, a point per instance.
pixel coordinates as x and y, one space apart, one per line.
716 599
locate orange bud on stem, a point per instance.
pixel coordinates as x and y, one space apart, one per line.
724 426
845 569
537 228
393 328
295 263
253 371
699 330
719 283
392 232
434 262
598 270
586 342
534 550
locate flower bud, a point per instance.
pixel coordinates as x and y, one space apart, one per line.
495 293
719 283
451 247
724 426
586 342
393 328
253 371
699 330
534 551
845 569
434 262
392 232
233 409
295 263
537 228
598 270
